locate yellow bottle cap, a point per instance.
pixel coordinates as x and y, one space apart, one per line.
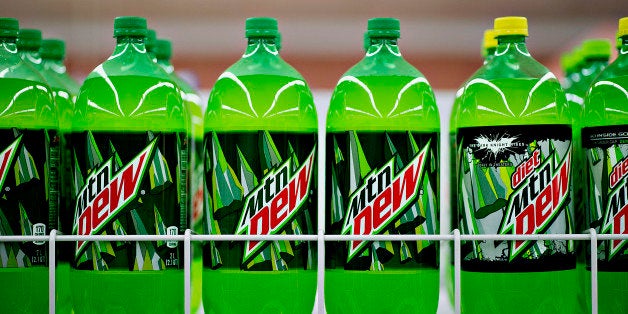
623 27
489 39
511 25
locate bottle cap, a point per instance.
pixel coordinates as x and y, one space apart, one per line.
9 27
386 27
151 38
162 49
29 39
261 27
489 41
622 30
52 48
129 26
596 48
511 25
278 41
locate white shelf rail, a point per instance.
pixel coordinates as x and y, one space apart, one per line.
320 238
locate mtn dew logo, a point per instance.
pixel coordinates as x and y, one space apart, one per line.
540 189
6 159
275 202
616 218
105 194
382 199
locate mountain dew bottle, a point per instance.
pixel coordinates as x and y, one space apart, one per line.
29 157
52 53
129 149
260 179
605 143
489 45
515 150
382 179
162 51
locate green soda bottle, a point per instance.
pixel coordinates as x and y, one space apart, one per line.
514 137
64 92
29 157
605 143
382 178
260 178
129 149
162 50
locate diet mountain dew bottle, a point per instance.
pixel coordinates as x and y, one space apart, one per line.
382 178
489 45
260 179
162 51
129 149
605 143
29 157
515 155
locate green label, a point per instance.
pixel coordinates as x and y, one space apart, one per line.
516 180
29 161
382 183
128 184
607 171
260 183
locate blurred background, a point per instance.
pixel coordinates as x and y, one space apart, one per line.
322 38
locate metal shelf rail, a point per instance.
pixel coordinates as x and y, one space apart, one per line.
320 238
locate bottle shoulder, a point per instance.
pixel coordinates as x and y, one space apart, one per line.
26 103
606 102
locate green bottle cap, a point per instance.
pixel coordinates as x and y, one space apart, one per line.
261 27
511 25
29 39
162 49
278 41
129 26
566 63
9 27
576 57
385 27
366 41
151 38
596 48
52 48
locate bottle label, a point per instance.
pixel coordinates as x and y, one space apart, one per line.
606 151
29 197
260 183
382 183
130 183
516 180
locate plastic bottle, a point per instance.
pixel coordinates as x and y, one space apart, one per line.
515 139
260 178
64 92
162 50
604 135
130 152
382 178
29 156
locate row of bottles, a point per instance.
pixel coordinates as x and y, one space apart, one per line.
130 153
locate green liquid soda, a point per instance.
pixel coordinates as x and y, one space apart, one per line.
382 178
191 101
28 123
605 148
514 142
260 178
129 142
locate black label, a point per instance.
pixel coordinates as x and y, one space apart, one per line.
126 184
260 183
382 183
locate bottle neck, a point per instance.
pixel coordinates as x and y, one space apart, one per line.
122 43
260 45
623 49
9 45
383 46
511 44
